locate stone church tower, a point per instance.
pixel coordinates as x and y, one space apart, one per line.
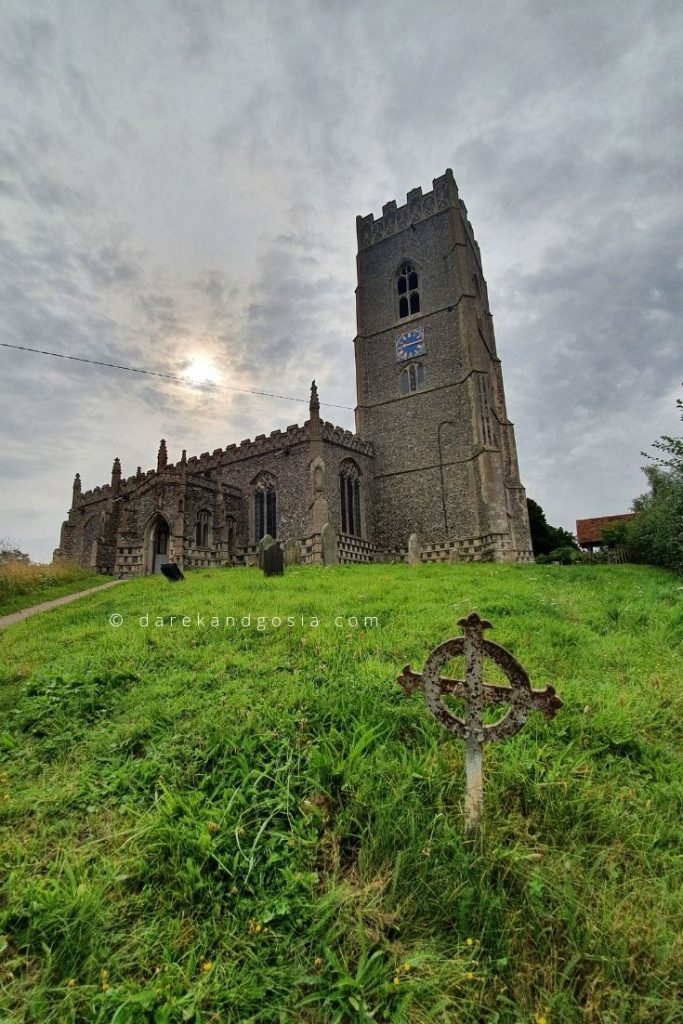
430 386
433 453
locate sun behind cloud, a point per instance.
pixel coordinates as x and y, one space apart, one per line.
202 370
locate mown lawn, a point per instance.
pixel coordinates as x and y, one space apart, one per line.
241 824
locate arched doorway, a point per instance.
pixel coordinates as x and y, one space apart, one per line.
157 545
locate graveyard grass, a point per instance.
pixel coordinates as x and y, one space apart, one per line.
235 825
23 585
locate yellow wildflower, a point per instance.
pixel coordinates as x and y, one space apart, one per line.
207 966
105 986
397 980
406 968
71 983
104 974
542 1019
470 975
469 942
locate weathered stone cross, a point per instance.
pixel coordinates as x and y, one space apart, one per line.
520 697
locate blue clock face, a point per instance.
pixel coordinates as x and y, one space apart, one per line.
410 345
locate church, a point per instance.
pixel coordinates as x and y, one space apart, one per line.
433 454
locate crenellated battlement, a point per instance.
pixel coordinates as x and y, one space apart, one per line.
294 434
346 439
418 207
262 443
221 457
94 495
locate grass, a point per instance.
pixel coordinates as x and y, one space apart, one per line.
242 824
23 584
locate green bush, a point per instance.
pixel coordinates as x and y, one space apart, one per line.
546 539
565 556
655 536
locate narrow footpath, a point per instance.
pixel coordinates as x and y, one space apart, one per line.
26 613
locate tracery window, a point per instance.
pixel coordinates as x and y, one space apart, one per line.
231 531
412 378
202 529
349 490
265 509
407 287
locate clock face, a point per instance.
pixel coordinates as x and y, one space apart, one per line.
410 345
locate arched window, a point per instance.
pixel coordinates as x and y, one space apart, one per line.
202 529
408 290
349 490
231 531
412 378
265 508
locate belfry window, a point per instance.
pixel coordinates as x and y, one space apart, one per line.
407 287
202 529
265 510
412 378
349 490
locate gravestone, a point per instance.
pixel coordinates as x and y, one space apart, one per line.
330 551
263 544
454 556
292 552
414 550
172 572
273 560
519 697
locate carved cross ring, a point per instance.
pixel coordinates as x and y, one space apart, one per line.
520 697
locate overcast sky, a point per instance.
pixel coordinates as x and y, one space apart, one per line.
182 178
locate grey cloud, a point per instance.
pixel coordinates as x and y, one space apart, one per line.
109 266
192 185
28 45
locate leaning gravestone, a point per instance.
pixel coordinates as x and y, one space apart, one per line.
273 560
414 550
292 552
171 570
330 550
265 542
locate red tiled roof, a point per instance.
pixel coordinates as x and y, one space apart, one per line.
589 531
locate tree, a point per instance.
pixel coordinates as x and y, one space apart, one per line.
671 446
546 538
656 534
9 552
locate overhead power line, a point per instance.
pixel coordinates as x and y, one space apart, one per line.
165 376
